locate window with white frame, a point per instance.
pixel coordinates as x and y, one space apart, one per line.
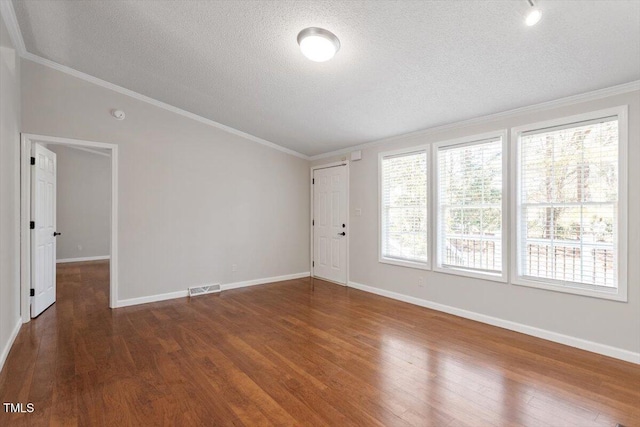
403 208
470 206
569 222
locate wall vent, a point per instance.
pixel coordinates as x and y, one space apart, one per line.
205 289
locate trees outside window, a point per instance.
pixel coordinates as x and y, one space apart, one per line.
569 202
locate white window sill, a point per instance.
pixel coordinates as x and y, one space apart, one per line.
402 263
615 294
460 271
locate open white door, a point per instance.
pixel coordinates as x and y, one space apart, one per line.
330 224
43 233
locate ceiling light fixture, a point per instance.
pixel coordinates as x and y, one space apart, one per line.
318 44
534 15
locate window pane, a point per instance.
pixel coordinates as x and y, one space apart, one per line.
470 205
404 207
568 203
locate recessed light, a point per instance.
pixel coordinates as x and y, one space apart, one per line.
318 44
534 15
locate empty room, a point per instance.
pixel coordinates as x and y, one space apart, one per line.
320 213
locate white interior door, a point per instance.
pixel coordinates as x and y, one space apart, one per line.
43 233
330 224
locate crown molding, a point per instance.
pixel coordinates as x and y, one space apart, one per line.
124 91
8 13
11 21
561 102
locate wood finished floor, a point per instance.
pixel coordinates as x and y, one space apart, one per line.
290 354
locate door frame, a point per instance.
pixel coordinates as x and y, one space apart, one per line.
346 164
26 142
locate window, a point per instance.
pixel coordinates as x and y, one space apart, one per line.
562 226
570 196
470 206
403 208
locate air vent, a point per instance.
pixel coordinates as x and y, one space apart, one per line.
205 289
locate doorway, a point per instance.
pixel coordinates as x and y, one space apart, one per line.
329 222
38 219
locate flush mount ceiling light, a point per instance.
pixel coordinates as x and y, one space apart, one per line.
318 44
533 16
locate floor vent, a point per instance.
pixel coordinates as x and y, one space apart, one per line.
206 289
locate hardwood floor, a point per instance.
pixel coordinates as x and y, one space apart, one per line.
292 354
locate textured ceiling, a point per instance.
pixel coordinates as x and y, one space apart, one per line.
403 66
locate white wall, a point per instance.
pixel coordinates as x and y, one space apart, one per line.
601 321
9 193
193 199
83 203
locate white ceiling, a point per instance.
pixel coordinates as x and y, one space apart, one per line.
403 66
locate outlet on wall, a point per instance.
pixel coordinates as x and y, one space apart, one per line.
421 282
234 267
79 247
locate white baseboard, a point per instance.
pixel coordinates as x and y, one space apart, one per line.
152 298
83 259
225 287
264 281
9 344
580 343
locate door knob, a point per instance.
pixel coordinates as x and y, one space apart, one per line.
342 234
55 233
